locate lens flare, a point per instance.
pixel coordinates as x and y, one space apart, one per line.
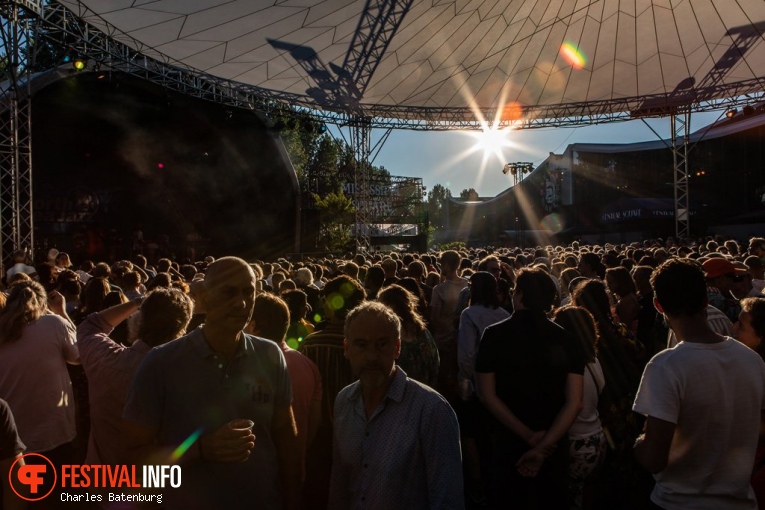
553 223
184 446
573 55
336 301
511 112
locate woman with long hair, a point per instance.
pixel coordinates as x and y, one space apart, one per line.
623 289
417 291
35 347
587 442
92 298
419 355
622 360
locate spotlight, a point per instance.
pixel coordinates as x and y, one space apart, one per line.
748 110
79 64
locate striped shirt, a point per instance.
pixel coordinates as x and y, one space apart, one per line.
718 321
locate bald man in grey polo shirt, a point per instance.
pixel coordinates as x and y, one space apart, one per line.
193 387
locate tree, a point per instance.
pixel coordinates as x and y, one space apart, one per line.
438 200
470 194
337 214
322 169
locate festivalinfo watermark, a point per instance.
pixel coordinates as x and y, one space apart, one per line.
37 478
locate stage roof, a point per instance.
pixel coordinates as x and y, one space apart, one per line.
462 59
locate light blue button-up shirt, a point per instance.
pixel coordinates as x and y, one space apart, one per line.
407 455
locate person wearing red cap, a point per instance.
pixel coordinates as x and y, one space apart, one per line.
722 277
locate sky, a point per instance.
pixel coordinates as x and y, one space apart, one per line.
455 160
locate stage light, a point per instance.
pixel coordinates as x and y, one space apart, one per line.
160 165
79 64
748 110
731 113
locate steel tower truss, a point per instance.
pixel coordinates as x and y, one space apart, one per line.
19 26
680 125
361 133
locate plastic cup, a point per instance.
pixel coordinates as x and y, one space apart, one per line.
241 424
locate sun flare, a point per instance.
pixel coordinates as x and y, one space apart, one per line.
491 141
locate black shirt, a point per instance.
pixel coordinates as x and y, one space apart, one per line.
531 358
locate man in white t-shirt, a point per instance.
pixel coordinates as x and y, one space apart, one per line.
20 259
703 401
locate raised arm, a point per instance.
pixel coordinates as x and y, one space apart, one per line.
118 313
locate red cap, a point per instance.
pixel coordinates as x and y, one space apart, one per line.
718 266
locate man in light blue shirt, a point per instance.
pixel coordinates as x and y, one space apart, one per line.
396 442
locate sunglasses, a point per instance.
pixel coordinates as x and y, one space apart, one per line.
736 277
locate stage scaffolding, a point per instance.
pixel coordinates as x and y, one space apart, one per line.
110 50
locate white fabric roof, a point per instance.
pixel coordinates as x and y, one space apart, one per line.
458 56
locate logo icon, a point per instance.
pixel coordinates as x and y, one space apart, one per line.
35 479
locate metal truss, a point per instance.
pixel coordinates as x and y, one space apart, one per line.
361 133
118 51
378 24
680 125
18 20
25 20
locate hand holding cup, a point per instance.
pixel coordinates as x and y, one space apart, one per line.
233 442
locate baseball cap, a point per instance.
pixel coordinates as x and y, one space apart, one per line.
717 267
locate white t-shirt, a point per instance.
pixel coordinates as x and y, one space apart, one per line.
588 422
714 393
20 268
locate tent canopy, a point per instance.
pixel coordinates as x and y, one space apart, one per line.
446 59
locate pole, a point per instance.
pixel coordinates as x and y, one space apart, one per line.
518 171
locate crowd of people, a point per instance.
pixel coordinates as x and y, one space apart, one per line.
595 377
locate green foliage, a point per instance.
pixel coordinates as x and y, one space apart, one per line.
431 233
469 194
454 245
324 166
337 214
438 200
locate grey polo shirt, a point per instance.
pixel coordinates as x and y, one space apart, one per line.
184 386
